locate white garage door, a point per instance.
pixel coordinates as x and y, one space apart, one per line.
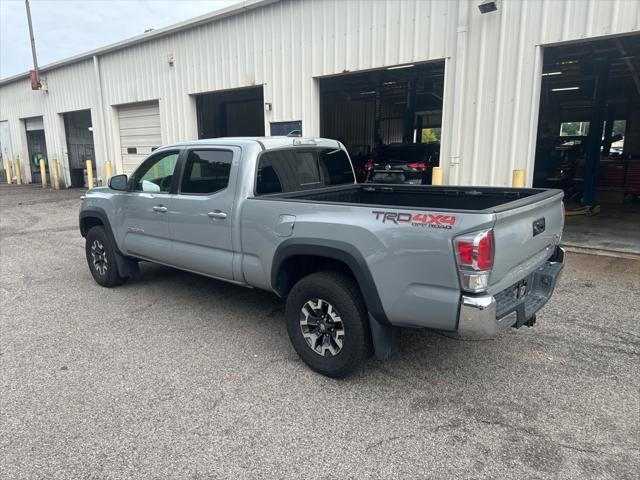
139 133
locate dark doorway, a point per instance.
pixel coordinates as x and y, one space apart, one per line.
392 107
589 139
80 147
36 147
231 113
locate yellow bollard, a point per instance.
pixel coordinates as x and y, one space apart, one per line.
107 169
89 175
55 179
43 173
517 180
436 178
16 169
7 169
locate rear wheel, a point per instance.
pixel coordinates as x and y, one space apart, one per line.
101 258
327 323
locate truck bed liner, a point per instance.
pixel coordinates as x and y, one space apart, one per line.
421 196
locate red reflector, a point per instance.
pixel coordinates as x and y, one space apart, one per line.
485 252
465 252
418 165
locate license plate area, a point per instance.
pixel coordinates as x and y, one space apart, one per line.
520 289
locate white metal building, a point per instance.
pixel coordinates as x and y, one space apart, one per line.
147 91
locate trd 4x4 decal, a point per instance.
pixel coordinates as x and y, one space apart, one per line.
430 220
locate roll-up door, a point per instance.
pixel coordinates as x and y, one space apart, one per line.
139 133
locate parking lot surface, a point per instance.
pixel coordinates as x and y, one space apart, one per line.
178 376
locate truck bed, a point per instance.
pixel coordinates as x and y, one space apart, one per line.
444 198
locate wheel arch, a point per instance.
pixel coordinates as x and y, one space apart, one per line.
93 217
298 257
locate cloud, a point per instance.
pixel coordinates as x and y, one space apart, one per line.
64 28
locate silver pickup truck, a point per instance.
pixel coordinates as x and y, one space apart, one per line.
353 261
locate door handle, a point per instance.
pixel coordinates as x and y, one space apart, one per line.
217 214
160 208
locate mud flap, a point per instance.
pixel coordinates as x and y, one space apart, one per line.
381 337
126 266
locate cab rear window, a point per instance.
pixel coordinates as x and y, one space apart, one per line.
295 169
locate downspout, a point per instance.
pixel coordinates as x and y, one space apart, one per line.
458 92
103 123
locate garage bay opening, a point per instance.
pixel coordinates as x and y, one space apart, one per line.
389 120
231 113
79 135
589 139
37 148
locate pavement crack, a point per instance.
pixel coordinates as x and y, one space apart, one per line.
387 440
533 433
591 450
510 426
41 230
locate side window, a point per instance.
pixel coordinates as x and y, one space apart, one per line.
156 173
206 171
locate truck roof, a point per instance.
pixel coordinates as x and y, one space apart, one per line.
267 143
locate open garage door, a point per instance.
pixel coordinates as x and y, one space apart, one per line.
231 113
139 133
388 119
37 147
80 148
589 139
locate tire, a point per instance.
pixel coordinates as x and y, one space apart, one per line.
101 258
341 338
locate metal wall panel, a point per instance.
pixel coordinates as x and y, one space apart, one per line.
492 74
6 152
70 88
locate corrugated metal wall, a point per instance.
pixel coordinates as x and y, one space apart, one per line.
493 63
70 88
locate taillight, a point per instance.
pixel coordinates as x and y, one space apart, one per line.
369 165
465 252
474 256
418 165
485 252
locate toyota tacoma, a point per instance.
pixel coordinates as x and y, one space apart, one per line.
354 261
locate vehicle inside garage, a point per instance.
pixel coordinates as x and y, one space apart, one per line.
589 139
388 119
231 113
80 148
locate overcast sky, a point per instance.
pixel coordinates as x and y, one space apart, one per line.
63 28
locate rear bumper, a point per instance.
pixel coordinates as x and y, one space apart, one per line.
485 316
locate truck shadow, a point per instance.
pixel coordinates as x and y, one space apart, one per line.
416 354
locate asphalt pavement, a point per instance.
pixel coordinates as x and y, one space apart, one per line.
174 375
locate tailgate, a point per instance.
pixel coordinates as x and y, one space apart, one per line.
525 236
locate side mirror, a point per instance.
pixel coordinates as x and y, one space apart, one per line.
118 182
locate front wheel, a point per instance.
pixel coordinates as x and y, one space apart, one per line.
101 258
327 323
